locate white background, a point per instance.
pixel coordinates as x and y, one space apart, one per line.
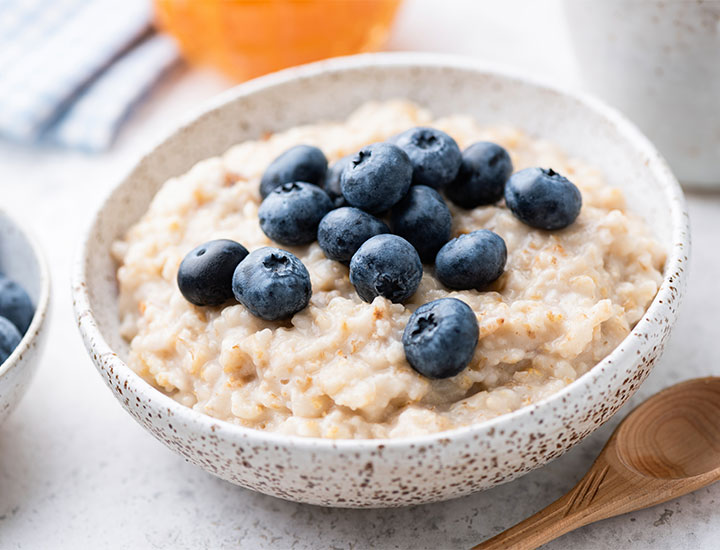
77 472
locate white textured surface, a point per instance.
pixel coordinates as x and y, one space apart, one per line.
78 472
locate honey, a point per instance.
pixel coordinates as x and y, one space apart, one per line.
247 38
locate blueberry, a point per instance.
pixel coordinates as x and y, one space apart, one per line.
299 163
423 219
332 181
344 230
473 260
15 304
205 274
440 338
9 338
272 284
386 265
377 177
543 198
434 155
481 180
291 213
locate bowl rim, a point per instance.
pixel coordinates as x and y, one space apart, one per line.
674 268
43 300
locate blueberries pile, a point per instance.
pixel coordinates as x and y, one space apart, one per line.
381 212
16 313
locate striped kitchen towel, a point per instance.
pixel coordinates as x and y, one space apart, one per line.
70 70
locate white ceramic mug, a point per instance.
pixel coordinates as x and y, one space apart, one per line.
659 63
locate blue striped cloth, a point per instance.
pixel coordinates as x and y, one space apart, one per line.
70 70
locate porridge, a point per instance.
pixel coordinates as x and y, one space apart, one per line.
337 368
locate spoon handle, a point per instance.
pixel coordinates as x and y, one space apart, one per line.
582 505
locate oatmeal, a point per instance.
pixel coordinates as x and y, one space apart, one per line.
337 369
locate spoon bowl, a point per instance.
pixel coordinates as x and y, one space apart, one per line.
665 448
675 434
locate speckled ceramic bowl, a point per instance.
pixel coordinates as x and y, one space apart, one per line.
22 261
375 473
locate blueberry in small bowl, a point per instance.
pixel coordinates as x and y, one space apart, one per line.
9 338
24 300
15 304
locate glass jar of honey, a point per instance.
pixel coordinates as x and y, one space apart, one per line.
247 38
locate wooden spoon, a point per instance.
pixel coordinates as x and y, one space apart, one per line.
666 447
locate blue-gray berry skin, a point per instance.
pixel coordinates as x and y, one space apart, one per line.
440 338
272 284
423 219
434 155
291 213
205 274
332 181
543 198
344 230
473 260
377 177
386 265
9 338
299 163
485 168
15 304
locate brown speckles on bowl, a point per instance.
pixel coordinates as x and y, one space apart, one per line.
375 473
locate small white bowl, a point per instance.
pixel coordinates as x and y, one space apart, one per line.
22 261
375 473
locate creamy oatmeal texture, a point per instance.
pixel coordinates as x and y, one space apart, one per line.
338 368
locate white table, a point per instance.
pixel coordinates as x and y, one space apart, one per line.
77 472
